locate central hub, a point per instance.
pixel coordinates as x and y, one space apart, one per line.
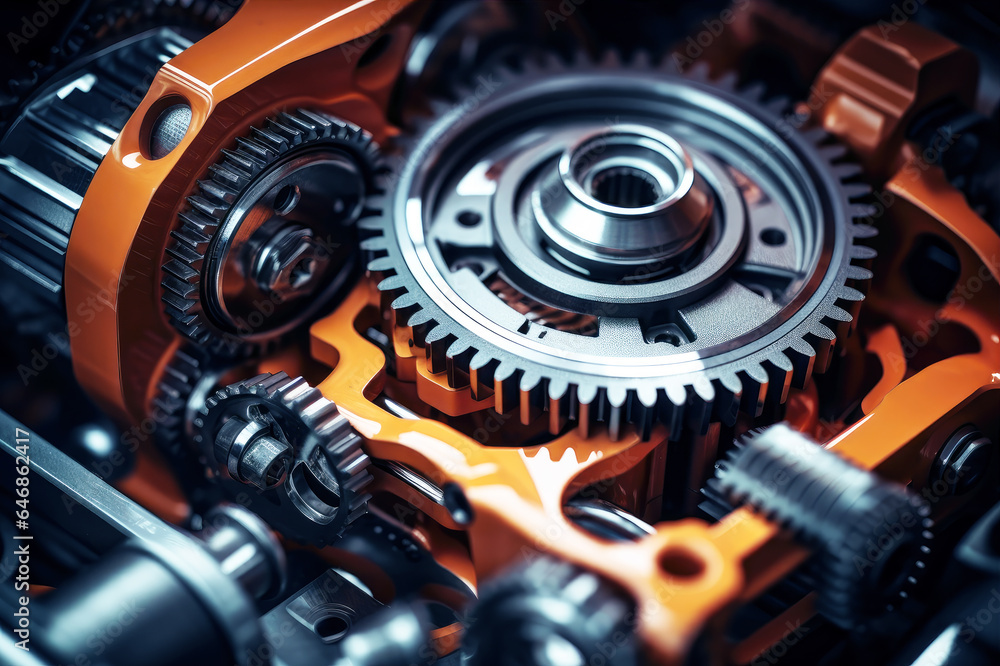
620 199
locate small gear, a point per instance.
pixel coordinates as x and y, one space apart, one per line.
605 242
872 537
549 612
324 491
269 238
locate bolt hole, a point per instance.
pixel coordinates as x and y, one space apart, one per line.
168 129
772 236
286 199
625 187
469 218
332 628
669 338
680 563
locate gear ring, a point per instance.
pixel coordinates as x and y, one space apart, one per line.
325 490
260 182
490 348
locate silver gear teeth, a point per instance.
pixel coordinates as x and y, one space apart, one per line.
225 182
759 384
320 417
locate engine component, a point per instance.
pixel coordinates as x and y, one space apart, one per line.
637 205
281 435
467 302
871 536
263 245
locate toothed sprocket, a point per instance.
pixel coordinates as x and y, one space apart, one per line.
704 251
325 489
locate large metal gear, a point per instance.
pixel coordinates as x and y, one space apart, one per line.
314 473
621 244
269 238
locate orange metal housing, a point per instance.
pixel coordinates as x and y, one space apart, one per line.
265 59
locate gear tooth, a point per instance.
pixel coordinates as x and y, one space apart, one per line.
393 283
803 358
532 393
780 372
864 253
777 105
420 318
839 315
374 244
815 135
641 59
457 359
698 410
846 171
837 151
865 212
670 64
864 231
239 163
272 141
215 209
727 81
822 339
257 152
858 273
850 294
216 191
699 71
407 300
647 396
728 398
437 342
581 60
587 394
552 61
676 394
381 265
506 379
755 382
481 369
560 397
